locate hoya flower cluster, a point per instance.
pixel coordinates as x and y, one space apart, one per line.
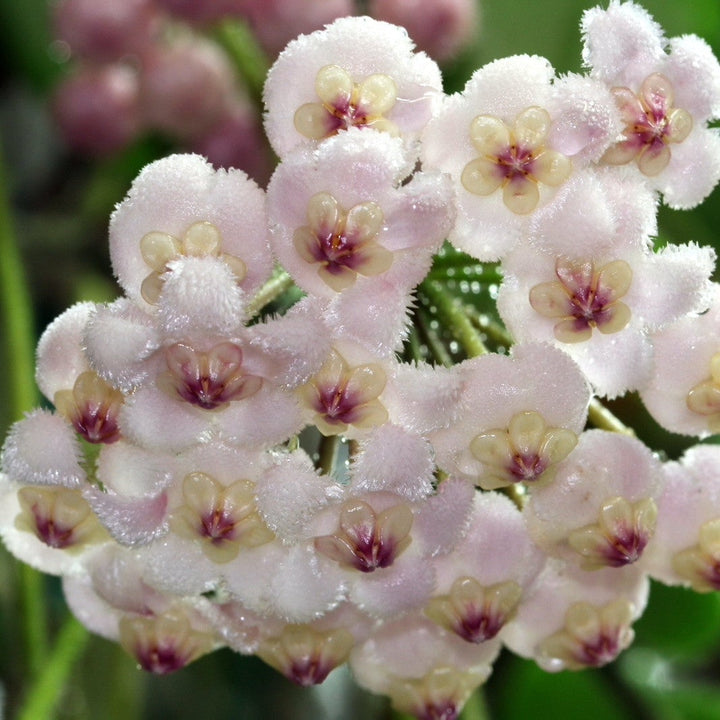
178 487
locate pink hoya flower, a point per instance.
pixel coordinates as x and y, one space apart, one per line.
44 448
382 544
51 527
185 86
517 418
481 583
426 671
180 208
596 294
276 22
686 548
350 214
572 619
666 91
98 108
105 30
683 394
162 633
442 28
510 140
601 508
357 72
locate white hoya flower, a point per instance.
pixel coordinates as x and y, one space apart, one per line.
350 214
44 447
683 393
517 417
161 632
686 548
356 72
480 583
598 294
510 140
50 527
179 208
425 670
667 92
572 619
236 385
383 544
601 508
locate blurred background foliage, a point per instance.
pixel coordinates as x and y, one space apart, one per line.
57 205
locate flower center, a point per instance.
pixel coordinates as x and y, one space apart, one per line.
525 452
340 395
620 535
700 564
92 406
439 695
158 249
58 517
221 519
515 159
584 298
163 643
472 611
366 540
306 655
704 398
592 636
344 104
209 380
651 124
342 243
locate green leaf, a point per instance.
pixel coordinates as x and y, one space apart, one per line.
523 690
680 623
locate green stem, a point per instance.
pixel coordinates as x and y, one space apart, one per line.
16 314
44 695
15 305
438 350
475 708
249 58
602 418
414 346
328 451
490 327
272 290
455 319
